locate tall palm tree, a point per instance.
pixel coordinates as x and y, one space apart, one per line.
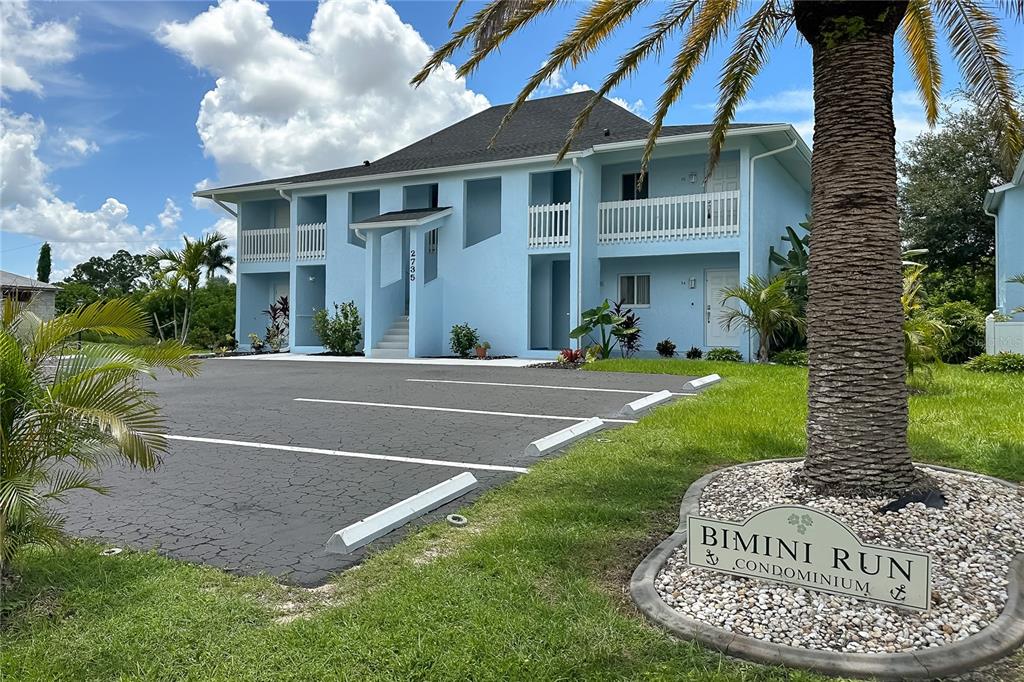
63 414
217 258
857 396
204 256
767 309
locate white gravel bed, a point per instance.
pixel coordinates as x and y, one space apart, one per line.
971 541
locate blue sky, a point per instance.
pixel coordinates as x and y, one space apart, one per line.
107 133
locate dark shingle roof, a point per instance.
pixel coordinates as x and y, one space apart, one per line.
537 129
410 214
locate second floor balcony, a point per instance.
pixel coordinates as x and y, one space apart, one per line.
273 244
548 226
690 216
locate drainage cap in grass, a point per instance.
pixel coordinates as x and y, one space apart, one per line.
111 551
457 520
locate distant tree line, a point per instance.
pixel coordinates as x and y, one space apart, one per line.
183 291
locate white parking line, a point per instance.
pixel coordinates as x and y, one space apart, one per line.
560 388
430 408
353 455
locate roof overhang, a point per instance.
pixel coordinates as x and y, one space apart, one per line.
994 197
732 134
231 194
394 219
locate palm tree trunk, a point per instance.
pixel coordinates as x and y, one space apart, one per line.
857 393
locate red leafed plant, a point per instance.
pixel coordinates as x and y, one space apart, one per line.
571 355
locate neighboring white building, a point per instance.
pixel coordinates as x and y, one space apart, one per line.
37 296
1006 204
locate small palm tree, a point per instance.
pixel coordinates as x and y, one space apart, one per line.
766 309
922 333
1017 279
66 409
187 266
857 398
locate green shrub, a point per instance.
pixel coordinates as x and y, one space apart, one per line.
694 353
464 339
966 326
724 355
341 332
1000 362
666 348
201 337
795 358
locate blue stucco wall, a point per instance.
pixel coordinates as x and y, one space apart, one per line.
501 287
676 311
1010 250
779 200
668 176
256 291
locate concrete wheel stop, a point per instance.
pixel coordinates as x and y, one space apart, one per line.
994 642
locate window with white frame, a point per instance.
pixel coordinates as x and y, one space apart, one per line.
635 290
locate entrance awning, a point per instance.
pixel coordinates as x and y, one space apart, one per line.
412 217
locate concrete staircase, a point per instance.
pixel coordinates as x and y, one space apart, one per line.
395 342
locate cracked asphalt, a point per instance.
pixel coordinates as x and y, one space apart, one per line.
252 511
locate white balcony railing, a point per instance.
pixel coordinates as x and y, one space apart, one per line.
311 241
690 216
264 245
549 226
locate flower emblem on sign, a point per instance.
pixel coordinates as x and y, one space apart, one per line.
801 521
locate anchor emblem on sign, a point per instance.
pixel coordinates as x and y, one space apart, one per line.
711 559
899 593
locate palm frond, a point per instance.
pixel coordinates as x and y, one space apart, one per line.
66 480
974 37
169 355
712 20
918 29
455 13
119 317
759 34
494 13
18 493
652 43
592 28
505 12
1015 8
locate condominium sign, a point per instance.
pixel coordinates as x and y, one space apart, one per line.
801 546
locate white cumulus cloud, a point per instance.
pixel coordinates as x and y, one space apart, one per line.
29 47
556 83
23 180
283 106
30 204
170 216
76 145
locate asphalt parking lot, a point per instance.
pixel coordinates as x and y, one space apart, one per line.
268 459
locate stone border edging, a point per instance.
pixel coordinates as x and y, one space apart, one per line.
994 642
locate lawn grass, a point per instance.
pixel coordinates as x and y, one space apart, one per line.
533 588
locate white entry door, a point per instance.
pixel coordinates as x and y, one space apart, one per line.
725 178
714 334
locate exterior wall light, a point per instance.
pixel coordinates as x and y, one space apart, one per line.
693 178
